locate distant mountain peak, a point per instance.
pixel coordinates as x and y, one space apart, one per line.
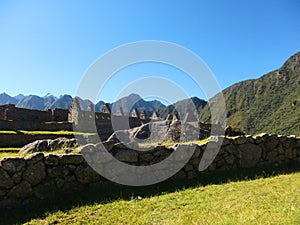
49 95
19 96
7 99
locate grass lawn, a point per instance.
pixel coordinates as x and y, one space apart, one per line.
273 200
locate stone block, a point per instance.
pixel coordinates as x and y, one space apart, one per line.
34 158
250 155
35 173
12 165
22 190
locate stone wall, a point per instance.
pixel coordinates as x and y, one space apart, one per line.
10 112
60 114
35 126
38 176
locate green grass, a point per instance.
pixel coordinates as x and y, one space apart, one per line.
9 152
169 144
61 132
7 132
274 200
15 154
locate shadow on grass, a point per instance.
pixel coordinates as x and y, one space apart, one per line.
105 193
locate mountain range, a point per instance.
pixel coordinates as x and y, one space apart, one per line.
270 103
126 103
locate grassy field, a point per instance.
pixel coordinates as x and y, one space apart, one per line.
272 200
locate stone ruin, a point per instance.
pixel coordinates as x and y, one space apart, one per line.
103 122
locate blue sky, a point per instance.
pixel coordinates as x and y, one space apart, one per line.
47 46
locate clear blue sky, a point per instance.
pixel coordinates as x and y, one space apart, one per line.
46 46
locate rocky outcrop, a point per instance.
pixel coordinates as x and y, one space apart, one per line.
49 145
158 132
38 176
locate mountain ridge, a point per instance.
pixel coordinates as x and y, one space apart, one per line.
126 103
270 103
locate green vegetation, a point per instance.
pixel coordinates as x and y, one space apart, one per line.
15 153
38 132
62 132
270 104
7 132
9 152
273 200
168 144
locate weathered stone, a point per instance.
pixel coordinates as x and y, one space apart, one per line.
220 163
180 175
68 150
183 152
188 167
249 155
230 159
197 153
162 152
75 159
9 203
22 190
195 162
51 160
212 167
98 157
58 171
59 182
230 149
226 141
146 157
261 138
86 149
36 146
287 144
34 157
271 143
240 140
272 157
72 186
85 174
289 153
45 189
48 145
12 165
35 173
192 174
127 155
250 139
72 168
298 143
5 181
17 177
108 145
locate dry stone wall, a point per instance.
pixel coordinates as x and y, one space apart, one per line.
38 176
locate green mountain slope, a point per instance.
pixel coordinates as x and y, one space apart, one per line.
270 103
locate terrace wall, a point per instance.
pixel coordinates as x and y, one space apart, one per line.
39 176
